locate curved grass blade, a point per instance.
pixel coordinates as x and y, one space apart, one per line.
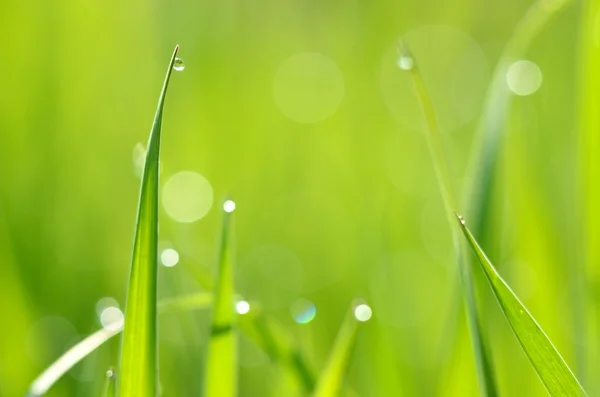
221 368
139 364
546 360
488 140
331 379
490 133
110 388
56 370
487 381
84 348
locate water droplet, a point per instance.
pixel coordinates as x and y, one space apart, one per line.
363 312
405 62
178 65
229 206
303 311
242 307
460 218
110 373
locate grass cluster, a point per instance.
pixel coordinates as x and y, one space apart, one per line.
136 371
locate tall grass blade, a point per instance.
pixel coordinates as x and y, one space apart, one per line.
139 365
487 381
110 388
331 379
488 140
490 131
221 368
56 370
547 361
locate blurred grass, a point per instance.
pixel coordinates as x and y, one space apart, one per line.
336 203
222 361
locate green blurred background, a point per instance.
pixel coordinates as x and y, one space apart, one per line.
298 111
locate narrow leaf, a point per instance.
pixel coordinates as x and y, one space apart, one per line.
54 372
332 378
221 375
201 300
139 366
281 347
547 361
485 372
110 385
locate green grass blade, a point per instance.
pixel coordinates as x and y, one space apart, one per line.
488 140
280 346
110 388
56 370
201 300
139 366
483 362
84 348
331 380
221 368
555 374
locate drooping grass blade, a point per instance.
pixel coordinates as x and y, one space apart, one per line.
331 379
488 140
547 361
82 349
54 372
139 366
221 368
110 388
487 382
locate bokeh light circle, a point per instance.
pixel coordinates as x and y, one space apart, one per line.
187 196
524 77
308 87
303 311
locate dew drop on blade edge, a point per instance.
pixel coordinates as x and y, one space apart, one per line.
178 65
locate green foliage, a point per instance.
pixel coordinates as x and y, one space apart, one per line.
139 365
331 379
438 157
64 363
548 363
221 375
110 388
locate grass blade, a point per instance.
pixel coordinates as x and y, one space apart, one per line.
110 388
221 375
201 300
274 339
487 381
56 370
84 348
139 366
332 378
488 140
547 361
